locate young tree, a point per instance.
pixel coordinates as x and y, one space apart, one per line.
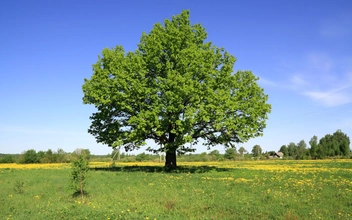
292 149
61 156
284 150
84 152
301 150
175 89
29 156
242 150
230 153
80 168
215 154
256 151
314 147
143 157
337 144
342 142
323 146
40 156
50 156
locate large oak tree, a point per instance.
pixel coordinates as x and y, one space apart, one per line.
175 89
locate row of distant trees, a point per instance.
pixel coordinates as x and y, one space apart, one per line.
214 155
335 145
49 156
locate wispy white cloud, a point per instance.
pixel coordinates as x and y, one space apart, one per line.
321 78
266 82
329 98
298 81
330 79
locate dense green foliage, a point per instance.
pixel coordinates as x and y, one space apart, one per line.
284 150
194 193
241 151
256 151
49 156
30 156
176 88
335 145
230 153
143 157
7 158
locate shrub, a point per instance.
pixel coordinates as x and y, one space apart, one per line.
230 154
29 156
143 157
7 159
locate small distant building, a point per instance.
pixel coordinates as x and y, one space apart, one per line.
279 155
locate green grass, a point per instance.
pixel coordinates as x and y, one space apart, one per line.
189 193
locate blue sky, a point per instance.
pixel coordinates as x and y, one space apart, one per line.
301 50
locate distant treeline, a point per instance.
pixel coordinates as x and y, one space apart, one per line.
336 145
49 156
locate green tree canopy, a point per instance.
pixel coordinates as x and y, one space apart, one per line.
342 142
230 153
29 156
256 151
216 153
301 150
242 150
337 144
284 150
292 149
176 88
314 147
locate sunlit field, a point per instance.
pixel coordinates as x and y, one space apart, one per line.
270 189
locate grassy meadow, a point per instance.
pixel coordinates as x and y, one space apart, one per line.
270 189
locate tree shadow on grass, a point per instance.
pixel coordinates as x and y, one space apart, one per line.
77 193
160 169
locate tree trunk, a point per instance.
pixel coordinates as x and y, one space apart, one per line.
170 161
